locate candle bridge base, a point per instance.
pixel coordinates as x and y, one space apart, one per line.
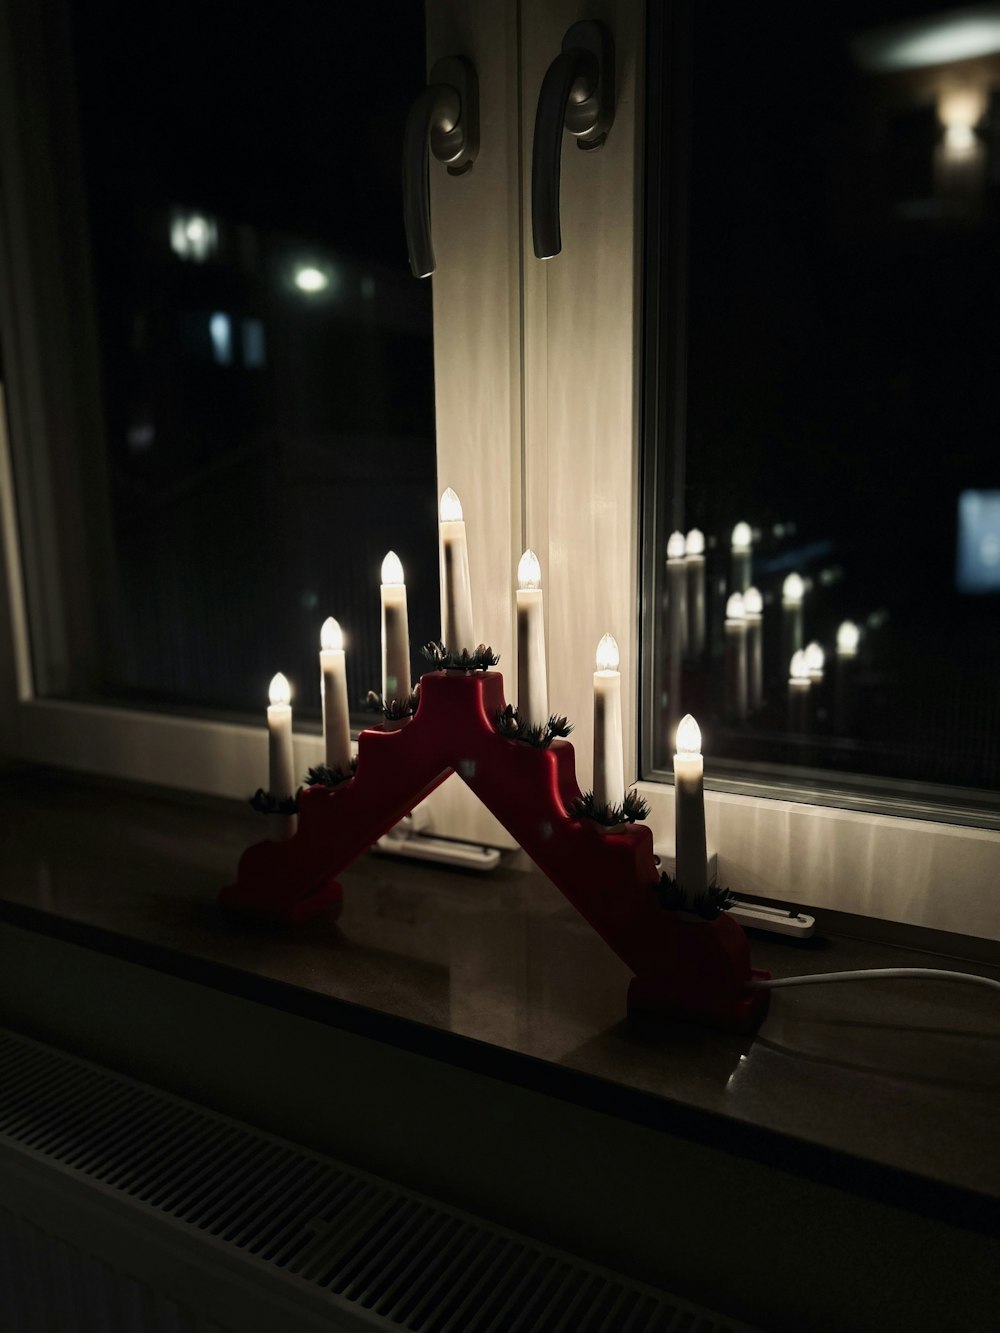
690 969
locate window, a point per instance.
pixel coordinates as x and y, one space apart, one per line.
836 447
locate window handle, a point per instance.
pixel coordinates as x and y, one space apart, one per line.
577 94
444 120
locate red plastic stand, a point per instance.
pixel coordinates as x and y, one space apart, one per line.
683 966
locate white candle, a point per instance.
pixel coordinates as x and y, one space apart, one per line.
395 632
815 661
456 588
333 689
609 757
799 690
753 605
689 809
677 577
848 638
736 657
281 777
792 591
694 558
740 554
532 681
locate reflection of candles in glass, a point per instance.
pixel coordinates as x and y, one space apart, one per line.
792 592
333 689
281 757
736 657
753 606
677 595
456 587
395 631
848 638
694 559
799 690
740 557
609 756
532 686
689 810
815 661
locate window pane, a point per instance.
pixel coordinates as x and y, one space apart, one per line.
266 356
842 413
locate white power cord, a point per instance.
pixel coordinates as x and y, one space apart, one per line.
878 974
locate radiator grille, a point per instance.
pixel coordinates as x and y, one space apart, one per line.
408 1261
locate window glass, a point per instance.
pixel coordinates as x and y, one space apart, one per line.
265 355
843 225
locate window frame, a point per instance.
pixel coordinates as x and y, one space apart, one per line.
554 462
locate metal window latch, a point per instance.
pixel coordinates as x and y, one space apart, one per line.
578 95
444 120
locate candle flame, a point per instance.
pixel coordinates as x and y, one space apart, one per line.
753 603
742 537
799 669
529 571
676 546
688 736
694 542
848 638
815 656
793 589
450 509
331 636
392 569
279 691
735 608
607 654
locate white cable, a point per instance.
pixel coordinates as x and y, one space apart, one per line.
879 973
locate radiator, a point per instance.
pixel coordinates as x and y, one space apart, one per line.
124 1209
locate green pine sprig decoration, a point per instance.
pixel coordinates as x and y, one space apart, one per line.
539 735
710 904
453 659
324 776
267 804
396 709
632 808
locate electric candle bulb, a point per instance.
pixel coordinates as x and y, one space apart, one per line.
529 571
608 657
799 690
281 757
753 605
333 693
450 509
532 681
735 629
694 553
799 668
815 659
456 587
676 546
740 542
395 632
688 736
331 636
609 756
848 638
392 569
690 848
279 691
793 589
